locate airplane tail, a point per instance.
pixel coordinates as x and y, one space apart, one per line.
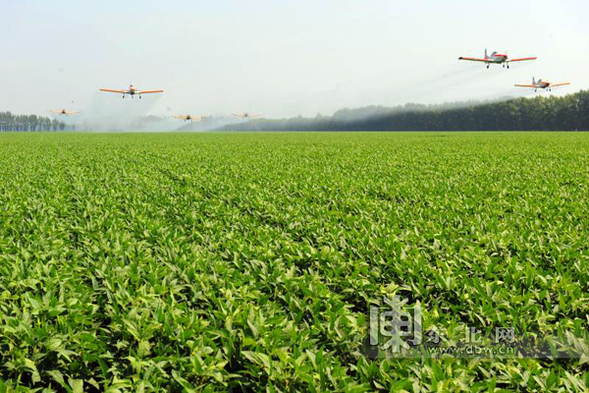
533 80
486 55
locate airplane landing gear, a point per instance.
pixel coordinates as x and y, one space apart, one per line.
487 66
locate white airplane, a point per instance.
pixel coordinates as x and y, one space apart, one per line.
191 117
63 112
245 115
543 84
496 58
132 91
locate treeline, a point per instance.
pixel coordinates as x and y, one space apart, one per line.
567 113
12 122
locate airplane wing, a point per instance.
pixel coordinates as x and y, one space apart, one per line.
181 117
58 111
71 113
530 86
240 115
473 59
559 84
149 91
522 59
114 91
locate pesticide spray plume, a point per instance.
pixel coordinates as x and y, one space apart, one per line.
425 90
453 74
440 90
108 113
213 123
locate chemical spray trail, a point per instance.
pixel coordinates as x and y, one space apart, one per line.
111 113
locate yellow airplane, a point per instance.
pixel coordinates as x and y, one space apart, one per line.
132 91
245 115
63 112
496 58
543 84
191 117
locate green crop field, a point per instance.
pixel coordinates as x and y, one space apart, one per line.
194 262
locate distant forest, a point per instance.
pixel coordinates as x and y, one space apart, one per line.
11 122
568 113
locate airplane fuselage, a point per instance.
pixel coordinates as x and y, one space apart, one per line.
498 59
542 85
132 92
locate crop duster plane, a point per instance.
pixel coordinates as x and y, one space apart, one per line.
63 112
543 84
132 91
245 115
190 117
496 58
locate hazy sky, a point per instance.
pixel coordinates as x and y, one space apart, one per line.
281 57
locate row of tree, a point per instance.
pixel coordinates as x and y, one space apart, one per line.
567 113
12 122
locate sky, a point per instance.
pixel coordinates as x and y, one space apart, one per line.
280 58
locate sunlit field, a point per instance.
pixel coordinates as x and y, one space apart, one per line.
215 261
